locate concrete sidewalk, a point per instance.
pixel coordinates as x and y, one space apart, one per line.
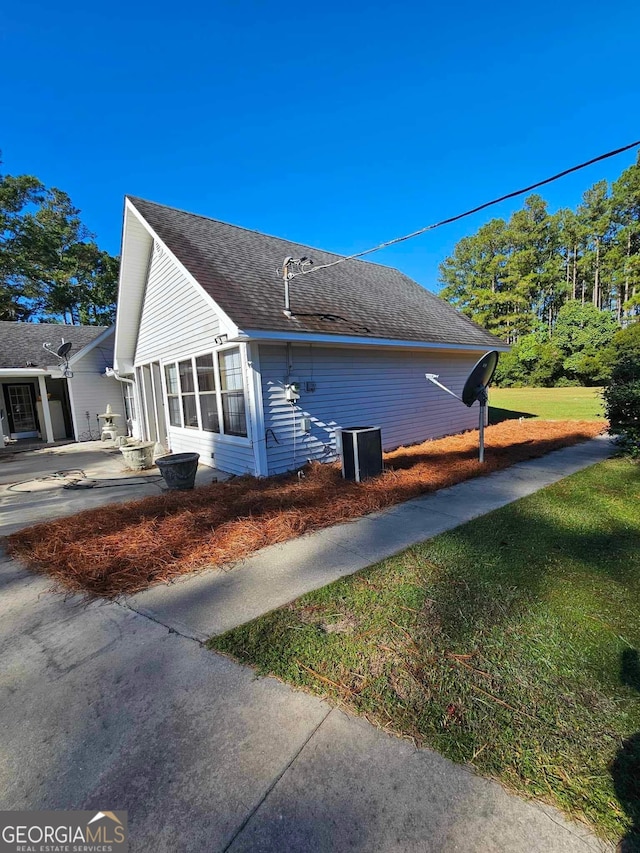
213 601
103 708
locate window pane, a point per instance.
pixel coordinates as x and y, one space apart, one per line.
171 378
186 377
209 412
204 367
190 410
129 402
230 370
174 411
235 422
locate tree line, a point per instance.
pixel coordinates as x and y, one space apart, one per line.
51 268
555 285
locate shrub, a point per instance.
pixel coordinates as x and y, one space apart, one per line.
622 394
565 382
533 361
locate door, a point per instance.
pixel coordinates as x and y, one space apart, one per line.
20 400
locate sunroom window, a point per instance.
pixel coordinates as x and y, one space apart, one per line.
173 399
232 392
188 394
207 393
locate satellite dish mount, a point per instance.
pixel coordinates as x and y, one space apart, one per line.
475 388
61 353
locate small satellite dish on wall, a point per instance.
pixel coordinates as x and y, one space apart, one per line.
475 388
64 349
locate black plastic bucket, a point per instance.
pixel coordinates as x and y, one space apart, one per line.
179 470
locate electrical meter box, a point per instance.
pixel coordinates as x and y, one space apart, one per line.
360 451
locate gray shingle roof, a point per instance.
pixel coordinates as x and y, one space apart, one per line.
239 269
22 342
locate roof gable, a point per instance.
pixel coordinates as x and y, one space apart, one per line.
239 270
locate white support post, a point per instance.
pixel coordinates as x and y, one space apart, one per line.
256 410
48 426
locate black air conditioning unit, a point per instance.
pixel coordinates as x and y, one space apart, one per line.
360 451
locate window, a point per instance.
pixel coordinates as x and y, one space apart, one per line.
207 393
173 400
188 394
129 401
209 417
232 392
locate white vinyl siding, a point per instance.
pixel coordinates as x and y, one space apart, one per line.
359 387
90 391
176 318
177 323
227 454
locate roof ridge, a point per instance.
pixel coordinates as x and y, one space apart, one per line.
31 325
336 255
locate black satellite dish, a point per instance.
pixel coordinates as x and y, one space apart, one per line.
480 377
475 388
64 349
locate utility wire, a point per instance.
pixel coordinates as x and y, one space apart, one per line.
467 212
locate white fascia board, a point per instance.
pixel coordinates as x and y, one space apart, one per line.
231 328
23 373
354 340
94 343
123 333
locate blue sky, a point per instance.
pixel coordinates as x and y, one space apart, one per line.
338 125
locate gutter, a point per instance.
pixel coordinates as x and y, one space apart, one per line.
357 340
113 374
24 371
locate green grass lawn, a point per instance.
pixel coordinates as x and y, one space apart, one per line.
559 404
509 643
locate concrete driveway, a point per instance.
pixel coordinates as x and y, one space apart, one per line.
32 482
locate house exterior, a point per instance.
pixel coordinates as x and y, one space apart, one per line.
214 363
38 402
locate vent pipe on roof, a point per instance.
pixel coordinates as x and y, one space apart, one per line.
289 267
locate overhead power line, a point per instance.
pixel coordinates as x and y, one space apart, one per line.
467 212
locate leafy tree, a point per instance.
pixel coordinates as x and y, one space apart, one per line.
626 215
534 360
475 277
16 286
583 334
50 266
532 275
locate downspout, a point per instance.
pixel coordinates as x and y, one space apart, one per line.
113 374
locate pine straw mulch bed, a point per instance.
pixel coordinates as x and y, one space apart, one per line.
124 548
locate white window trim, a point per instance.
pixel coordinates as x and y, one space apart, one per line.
215 392
240 440
166 395
242 351
195 394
